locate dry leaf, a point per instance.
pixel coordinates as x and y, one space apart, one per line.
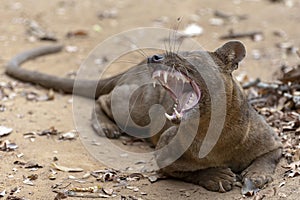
65 169
5 131
8 146
92 189
108 191
192 30
69 135
27 181
2 194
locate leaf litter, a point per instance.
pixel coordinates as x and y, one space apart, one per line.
279 103
111 182
52 131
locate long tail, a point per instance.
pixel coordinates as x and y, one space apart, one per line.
66 85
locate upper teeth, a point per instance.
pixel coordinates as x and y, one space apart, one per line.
169 117
165 77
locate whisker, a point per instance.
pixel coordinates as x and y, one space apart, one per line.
170 48
180 39
186 71
192 69
126 61
125 78
137 73
139 50
173 69
166 51
173 39
175 31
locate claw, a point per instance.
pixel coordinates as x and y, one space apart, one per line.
221 188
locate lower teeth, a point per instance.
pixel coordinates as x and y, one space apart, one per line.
172 117
169 117
178 115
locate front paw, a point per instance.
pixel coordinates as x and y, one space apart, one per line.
213 179
107 129
218 180
253 182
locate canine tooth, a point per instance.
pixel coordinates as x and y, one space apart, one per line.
154 84
169 117
177 114
165 77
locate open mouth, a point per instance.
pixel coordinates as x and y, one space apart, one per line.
184 91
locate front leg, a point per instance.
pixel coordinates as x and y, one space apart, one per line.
165 152
101 119
260 171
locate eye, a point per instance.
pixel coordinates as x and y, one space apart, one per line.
157 58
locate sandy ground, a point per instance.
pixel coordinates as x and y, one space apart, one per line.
63 16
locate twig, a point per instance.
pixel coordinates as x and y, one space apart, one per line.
261 85
254 35
257 101
81 195
227 16
251 84
272 86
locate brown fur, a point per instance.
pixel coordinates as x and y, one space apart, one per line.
247 144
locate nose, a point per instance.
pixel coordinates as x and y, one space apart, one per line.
155 59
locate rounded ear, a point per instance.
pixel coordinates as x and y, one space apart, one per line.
231 53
